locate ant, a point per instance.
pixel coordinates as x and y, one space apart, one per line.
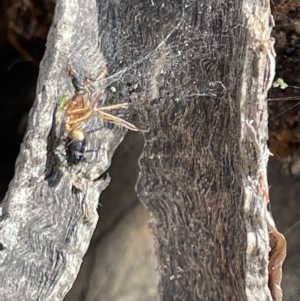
79 108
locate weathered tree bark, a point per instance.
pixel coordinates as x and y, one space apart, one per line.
201 70
204 169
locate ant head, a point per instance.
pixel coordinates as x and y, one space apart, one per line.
78 80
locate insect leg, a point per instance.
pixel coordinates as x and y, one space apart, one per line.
119 121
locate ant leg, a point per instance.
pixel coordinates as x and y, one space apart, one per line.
76 105
80 119
79 111
77 101
118 106
119 121
96 100
102 74
87 111
72 73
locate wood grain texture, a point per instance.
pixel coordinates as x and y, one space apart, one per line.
200 71
206 151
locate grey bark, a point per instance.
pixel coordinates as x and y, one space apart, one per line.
200 71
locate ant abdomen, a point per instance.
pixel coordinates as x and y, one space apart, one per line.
75 146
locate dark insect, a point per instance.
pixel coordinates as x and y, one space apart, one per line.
75 147
79 81
78 109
